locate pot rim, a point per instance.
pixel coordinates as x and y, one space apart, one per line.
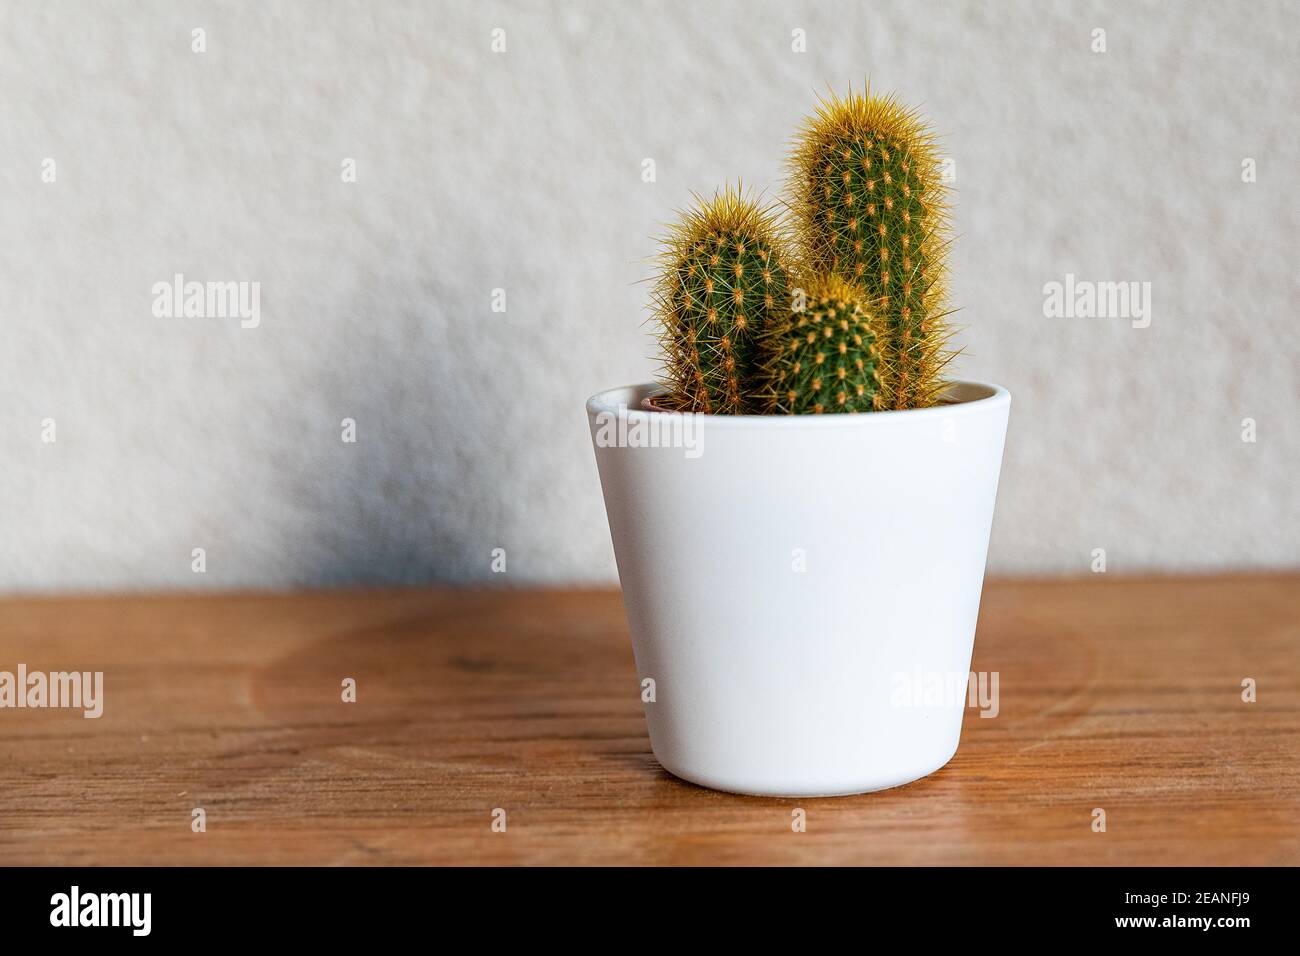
983 397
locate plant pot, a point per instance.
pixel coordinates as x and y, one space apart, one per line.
794 585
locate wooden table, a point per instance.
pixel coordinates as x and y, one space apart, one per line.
1121 694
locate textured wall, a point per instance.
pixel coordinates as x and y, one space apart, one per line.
522 170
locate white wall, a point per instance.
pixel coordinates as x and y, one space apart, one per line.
522 171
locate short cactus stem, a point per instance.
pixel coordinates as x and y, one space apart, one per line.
824 359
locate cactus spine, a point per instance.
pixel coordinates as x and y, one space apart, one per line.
721 292
824 359
869 207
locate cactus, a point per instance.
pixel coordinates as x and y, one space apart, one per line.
721 290
869 206
824 359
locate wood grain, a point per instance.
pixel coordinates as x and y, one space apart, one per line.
1123 694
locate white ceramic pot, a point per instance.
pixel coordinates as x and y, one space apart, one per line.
797 586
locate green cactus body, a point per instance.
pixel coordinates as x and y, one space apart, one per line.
869 205
825 359
722 290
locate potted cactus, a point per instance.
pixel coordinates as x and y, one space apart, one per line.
800 508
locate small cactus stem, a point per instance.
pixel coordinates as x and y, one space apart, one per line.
824 359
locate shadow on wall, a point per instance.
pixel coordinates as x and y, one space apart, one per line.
390 497
420 470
